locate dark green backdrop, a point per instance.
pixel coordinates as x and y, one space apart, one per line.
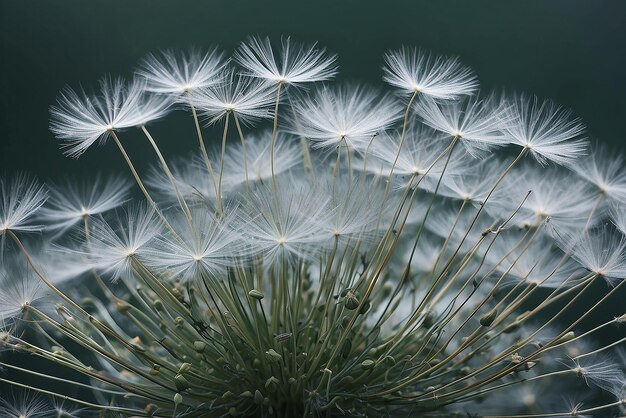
573 51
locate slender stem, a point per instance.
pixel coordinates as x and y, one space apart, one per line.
274 129
219 184
205 155
168 173
243 148
141 185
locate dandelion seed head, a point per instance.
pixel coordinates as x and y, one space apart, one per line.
292 63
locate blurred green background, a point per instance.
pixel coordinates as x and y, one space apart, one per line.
573 51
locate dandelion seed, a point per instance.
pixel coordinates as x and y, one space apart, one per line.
415 71
599 250
419 157
471 181
600 371
551 198
208 247
19 288
111 249
605 170
20 199
539 264
546 130
294 63
28 406
79 119
349 115
249 99
618 217
354 209
176 74
287 227
70 203
478 123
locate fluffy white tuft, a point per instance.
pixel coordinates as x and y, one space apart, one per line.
293 64
415 71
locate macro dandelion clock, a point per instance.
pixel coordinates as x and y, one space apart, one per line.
321 250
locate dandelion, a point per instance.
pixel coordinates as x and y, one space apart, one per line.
285 228
348 116
111 250
28 406
20 199
20 288
71 203
412 277
415 71
208 252
599 250
79 119
294 63
546 130
478 123
177 74
605 170
419 158
550 198
246 98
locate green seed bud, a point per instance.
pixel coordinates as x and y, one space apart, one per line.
256 294
184 368
158 304
178 294
181 382
488 318
368 364
122 306
566 337
366 307
233 411
351 302
246 394
199 346
429 319
272 356
258 397
227 394
178 398
271 384
154 370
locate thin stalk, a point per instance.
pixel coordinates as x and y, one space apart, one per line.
219 184
274 129
168 173
243 149
205 155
